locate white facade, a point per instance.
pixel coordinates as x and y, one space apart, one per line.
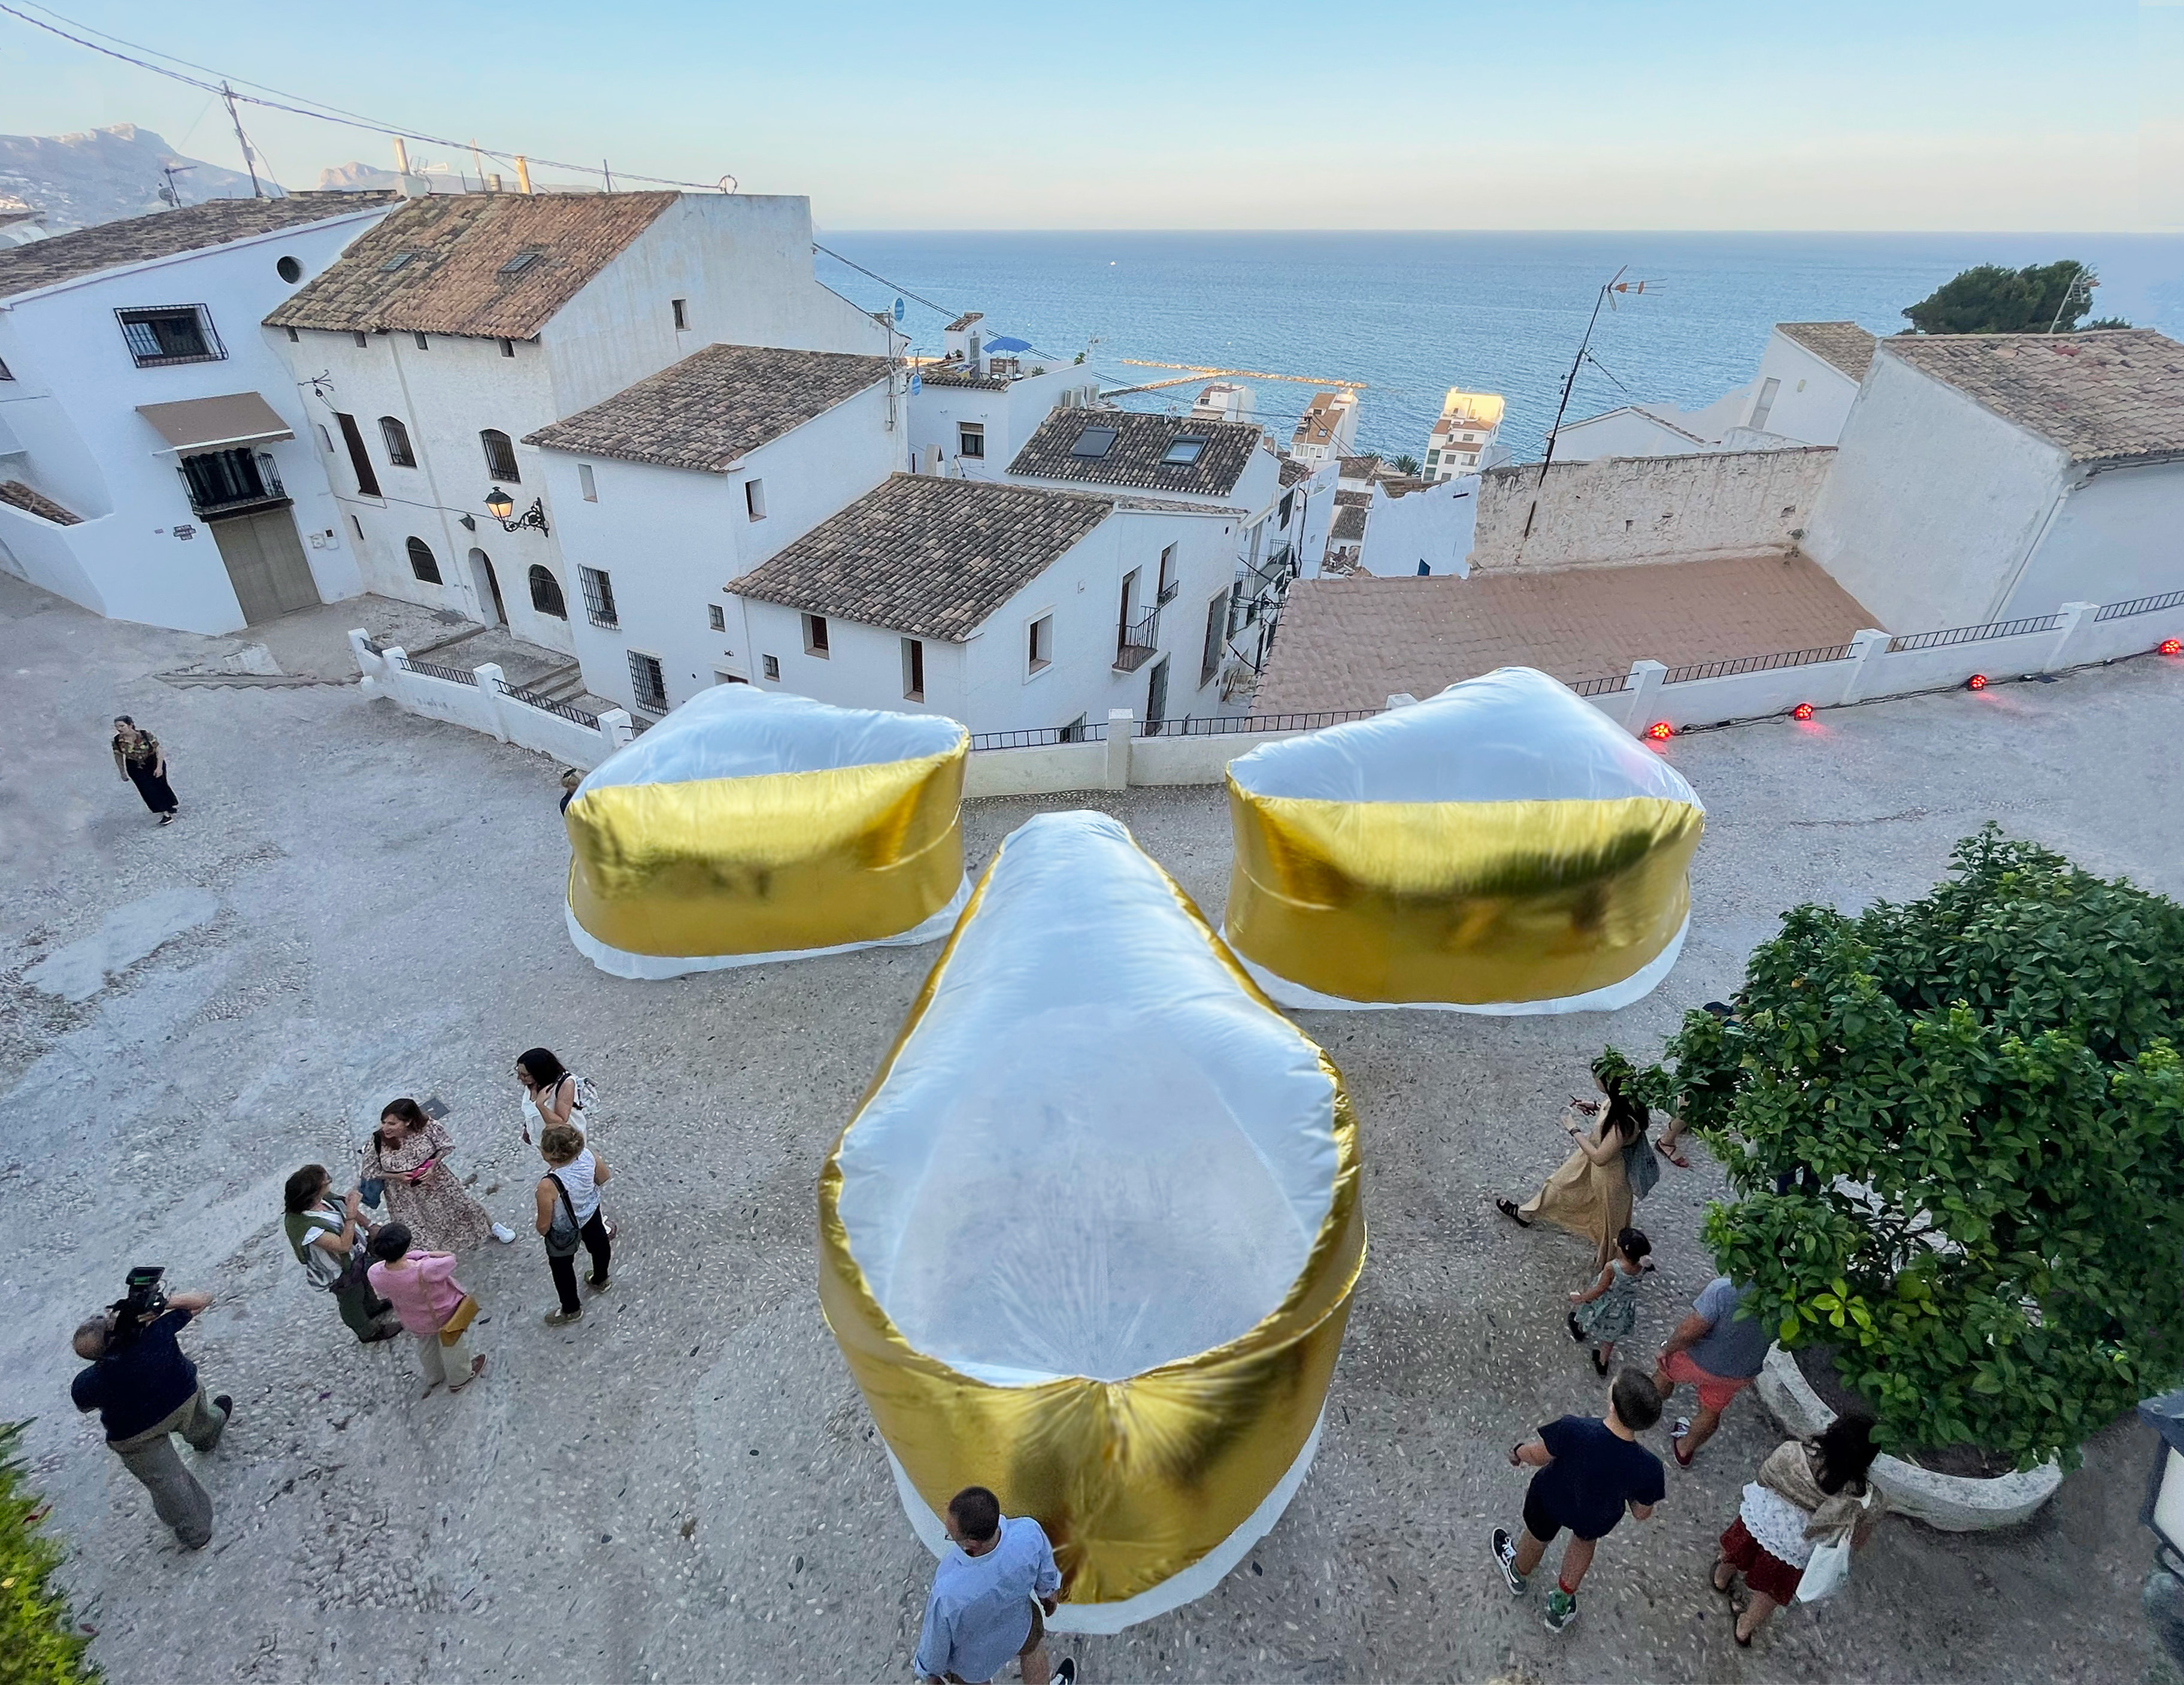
69 429
1940 513
1328 428
669 541
729 268
1462 439
1796 396
970 427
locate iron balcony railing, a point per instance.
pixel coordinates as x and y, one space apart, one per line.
1039 737
1788 658
247 482
2167 600
1975 634
1602 687
1136 645
433 670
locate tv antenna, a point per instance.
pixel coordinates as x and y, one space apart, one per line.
170 193
1614 284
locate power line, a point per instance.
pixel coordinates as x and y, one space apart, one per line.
325 113
893 287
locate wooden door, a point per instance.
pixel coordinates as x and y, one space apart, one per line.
265 564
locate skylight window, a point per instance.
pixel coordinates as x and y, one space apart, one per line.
1092 442
1184 451
519 262
396 262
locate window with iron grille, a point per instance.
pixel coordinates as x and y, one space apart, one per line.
422 562
397 438
599 596
1169 585
647 683
546 593
500 456
171 333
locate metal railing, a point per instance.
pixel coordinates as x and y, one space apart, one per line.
373 647
1136 645
433 670
252 481
1218 726
547 704
1975 634
2167 600
1726 669
1602 687
1040 737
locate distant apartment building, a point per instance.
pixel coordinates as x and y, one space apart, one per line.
1464 439
1223 401
463 324
1328 428
158 461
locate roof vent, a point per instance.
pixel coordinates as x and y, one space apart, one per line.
1092 442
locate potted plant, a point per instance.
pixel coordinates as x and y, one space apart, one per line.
1954 1131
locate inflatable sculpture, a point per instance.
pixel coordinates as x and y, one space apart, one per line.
750 826
1091 1238
1502 847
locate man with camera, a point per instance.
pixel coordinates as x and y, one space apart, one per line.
146 1391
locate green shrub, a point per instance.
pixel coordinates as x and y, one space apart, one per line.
39 1641
1985 1089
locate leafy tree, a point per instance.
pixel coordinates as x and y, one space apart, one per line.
2101 322
1990 298
1955 1131
39 1644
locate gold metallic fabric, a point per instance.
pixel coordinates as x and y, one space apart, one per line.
1469 902
1132 1479
771 863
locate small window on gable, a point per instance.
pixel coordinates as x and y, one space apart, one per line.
913 670
815 636
1184 452
1039 646
423 343
970 438
587 483
295 338
682 309
507 348
716 617
755 499
1092 442
362 340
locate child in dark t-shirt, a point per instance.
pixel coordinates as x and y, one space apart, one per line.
1590 1470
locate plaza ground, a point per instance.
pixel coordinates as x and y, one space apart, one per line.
357 904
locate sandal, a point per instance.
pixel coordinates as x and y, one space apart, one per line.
1672 1155
1714 1578
1741 1607
1507 1208
1599 1363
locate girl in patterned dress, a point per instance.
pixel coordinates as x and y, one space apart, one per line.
1608 1310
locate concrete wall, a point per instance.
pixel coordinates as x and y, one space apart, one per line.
1934 504
1622 509
2116 536
139 552
483 705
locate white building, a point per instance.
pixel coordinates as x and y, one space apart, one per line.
1463 437
462 324
1223 401
1010 607
970 414
668 491
157 463
1328 428
1801 393
1993 477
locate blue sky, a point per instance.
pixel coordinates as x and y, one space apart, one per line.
1557 113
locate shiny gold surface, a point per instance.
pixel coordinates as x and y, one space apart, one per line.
1133 1480
1467 903
771 863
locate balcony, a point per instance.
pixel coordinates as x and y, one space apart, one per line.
222 483
1137 643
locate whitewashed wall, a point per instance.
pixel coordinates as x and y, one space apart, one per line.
1811 403
2117 535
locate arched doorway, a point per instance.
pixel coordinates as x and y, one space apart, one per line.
487 585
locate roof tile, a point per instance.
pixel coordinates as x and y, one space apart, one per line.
1134 458
2104 395
167 234
1843 345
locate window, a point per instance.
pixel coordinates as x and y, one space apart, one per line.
1217 638
422 562
546 593
647 683
325 438
720 678
1766 406
507 348
367 481
772 666
599 596
815 636
397 438
295 338
362 339
395 262
1184 452
913 670
1169 585
172 333
357 526
1092 442
519 262
1288 506
681 308
970 438
423 343
587 483
500 456
716 617
1039 646
755 499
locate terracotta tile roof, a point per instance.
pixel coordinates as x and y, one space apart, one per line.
458 279
20 496
167 234
2104 396
1133 459
926 557
1350 520
714 406
1293 471
1843 345
1317 424
1359 468
1353 499
962 323
1353 643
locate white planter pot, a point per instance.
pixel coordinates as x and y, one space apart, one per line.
1956 1504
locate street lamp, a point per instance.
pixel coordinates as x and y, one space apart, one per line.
501 505
2164 1512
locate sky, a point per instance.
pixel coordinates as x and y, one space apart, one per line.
1729 115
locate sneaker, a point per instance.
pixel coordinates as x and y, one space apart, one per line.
1575 1332
1681 1428
503 1234
562 1319
225 1404
1507 1208
1562 1610
596 1285
1066 1674
166 819
1505 1558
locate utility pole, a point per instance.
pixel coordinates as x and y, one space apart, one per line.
1615 283
609 173
227 93
171 194
2079 277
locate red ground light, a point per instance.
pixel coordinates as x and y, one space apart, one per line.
1976 682
2171 646
1660 731
1804 710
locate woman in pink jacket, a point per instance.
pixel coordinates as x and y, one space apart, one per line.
433 1306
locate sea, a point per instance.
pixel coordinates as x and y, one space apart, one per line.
1410 315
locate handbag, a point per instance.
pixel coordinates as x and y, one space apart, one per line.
458 1319
564 1232
1827 1573
1641 1169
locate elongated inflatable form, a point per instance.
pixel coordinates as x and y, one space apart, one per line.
750 826
1502 847
1091 1238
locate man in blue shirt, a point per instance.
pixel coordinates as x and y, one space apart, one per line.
990 1596
146 1391
1719 1348
1589 1472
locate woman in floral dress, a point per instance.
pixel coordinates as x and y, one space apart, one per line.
409 1153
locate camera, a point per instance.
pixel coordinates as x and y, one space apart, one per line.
142 1301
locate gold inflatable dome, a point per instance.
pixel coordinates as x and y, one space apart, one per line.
1503 847
1091 1238
749 825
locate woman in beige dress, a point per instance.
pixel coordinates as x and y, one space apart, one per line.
409 1154
1590 1194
